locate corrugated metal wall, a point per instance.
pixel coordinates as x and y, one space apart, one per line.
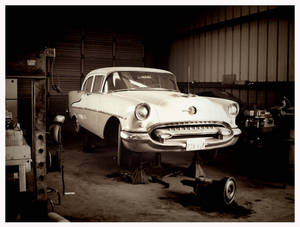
67 61
255 43
66 69
259 49
97 49
129 50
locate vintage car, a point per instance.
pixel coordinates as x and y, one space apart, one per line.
143 110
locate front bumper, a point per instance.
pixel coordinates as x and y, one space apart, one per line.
142 142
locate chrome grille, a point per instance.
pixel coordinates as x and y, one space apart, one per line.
189 129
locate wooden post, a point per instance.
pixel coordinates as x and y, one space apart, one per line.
39 138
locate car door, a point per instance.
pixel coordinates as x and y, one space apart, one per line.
83 111
95 107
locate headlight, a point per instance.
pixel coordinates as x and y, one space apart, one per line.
233 109
142 111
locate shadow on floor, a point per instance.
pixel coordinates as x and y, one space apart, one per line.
192 202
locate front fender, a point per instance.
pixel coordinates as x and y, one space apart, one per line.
131 123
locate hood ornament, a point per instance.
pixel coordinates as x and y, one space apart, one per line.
191 110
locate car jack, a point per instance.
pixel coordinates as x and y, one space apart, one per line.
219 191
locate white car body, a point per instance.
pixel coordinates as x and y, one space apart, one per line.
176 121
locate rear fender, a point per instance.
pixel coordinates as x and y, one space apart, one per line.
73 97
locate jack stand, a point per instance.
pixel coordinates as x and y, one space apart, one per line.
219 191
195 169
139 176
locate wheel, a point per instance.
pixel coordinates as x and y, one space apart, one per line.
88 142
229 190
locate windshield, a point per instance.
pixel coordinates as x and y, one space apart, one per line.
136 80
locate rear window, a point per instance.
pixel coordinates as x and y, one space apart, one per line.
88 84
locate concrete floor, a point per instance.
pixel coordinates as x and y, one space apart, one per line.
99 197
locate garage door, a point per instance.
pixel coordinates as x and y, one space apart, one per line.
80 51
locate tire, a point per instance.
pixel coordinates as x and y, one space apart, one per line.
218 192
229 190
56 133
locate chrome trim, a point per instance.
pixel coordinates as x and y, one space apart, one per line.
184 134
76 102
191 131
98 111
236 131
145 144
142 142
190 123
137 137
237 109
192 110
148 108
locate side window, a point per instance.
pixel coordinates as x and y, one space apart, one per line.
88 84
97 83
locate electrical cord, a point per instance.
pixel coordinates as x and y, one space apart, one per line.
52 73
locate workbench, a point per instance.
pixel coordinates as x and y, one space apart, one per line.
18 153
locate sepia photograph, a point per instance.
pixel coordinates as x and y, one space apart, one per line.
149 113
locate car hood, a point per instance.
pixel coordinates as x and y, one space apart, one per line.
170 106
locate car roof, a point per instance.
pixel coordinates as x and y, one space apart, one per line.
108 70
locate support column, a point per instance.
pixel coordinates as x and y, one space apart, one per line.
39 138
82 54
